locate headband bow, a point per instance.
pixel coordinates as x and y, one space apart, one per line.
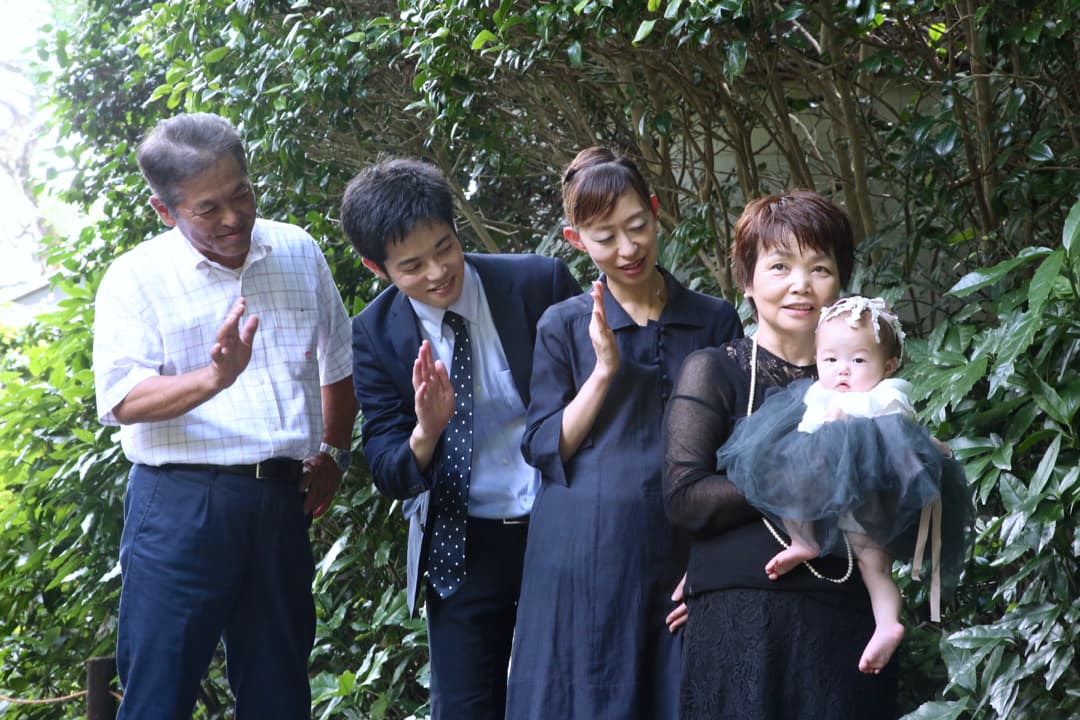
855 306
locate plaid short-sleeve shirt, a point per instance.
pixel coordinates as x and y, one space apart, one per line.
158 311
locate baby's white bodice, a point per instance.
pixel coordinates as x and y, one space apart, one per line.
887 397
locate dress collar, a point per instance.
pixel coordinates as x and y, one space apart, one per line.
677 311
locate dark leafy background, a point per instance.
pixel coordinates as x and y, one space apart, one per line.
948 129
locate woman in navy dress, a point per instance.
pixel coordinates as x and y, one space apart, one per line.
602 560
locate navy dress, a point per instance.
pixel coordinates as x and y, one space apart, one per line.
602 559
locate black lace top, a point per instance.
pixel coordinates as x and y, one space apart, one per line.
731 543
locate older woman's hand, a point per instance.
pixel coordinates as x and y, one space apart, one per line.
677 617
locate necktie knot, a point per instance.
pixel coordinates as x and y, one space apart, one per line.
455 321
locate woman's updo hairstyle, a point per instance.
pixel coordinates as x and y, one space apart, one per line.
593 183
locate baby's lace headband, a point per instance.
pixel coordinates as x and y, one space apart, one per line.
855 306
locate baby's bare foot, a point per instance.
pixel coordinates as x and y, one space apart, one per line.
786 560
880 649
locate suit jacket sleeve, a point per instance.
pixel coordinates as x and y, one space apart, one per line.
389 419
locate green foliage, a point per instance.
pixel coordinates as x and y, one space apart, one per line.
947 129
1007 392
63 490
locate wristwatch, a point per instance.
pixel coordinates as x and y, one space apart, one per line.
341 458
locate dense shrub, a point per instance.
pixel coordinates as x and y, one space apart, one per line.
948 129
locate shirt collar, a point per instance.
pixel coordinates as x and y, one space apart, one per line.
186 252
467 305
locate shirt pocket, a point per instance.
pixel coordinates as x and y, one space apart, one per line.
290 339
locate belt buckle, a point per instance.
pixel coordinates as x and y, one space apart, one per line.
520 520
259 467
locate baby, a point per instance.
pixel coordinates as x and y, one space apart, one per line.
835 482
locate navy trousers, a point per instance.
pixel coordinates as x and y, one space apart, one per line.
208 555
470 632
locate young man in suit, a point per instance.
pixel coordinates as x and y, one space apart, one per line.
441 365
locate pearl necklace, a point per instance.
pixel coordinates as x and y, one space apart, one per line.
776 533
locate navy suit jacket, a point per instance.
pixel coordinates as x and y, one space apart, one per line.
386 340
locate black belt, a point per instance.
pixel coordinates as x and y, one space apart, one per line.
519 520
272 469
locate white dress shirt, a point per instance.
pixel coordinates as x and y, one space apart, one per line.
502 484
158 310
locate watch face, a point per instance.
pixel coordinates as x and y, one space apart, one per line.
341 458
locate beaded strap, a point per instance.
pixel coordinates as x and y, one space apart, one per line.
775 533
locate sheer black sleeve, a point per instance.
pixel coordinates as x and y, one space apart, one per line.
699 418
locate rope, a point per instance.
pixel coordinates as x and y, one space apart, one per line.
56 700
45 701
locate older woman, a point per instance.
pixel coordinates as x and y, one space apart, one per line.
754 647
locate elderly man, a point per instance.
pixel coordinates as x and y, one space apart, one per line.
223 351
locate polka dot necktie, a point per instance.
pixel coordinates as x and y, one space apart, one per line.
446 570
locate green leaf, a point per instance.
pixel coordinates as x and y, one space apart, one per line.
654 5
1039 152
1062 661
1043 281
643 31
84 435
1070 233
1004 687
792 11
500 15
938 711
981 636
734 59
920 129
1069 480
1050 402
160 91
662 123
962 663
215 55
983 278
1012 492
946 141
573 52
673 8
483 39
1014 338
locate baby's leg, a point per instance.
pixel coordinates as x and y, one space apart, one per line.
876 567
802 548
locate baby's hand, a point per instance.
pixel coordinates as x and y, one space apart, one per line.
834 413
942 447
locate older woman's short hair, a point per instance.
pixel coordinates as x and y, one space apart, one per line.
771 222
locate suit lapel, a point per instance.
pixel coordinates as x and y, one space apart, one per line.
404 333
508 312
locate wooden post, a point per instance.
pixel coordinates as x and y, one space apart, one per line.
100 703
